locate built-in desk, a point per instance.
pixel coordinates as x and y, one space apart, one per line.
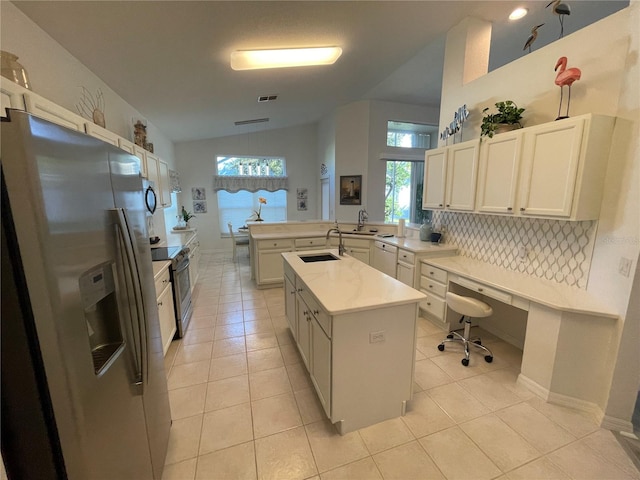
571 339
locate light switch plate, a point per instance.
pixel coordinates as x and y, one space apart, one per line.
376 337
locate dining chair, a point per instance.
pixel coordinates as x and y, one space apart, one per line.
237 241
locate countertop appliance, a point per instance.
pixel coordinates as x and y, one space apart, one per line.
84 390
179 273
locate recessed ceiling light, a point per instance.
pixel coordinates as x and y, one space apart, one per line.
518 13
285 57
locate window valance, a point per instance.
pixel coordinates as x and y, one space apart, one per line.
251 184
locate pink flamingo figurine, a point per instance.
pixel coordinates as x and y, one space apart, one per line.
566 76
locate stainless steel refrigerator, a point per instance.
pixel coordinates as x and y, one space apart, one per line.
84 391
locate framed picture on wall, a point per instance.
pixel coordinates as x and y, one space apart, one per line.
350 189
200 207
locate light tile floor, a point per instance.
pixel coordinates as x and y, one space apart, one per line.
244 407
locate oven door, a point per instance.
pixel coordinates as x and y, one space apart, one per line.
182 295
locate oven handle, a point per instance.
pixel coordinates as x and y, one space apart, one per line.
132 263
183 266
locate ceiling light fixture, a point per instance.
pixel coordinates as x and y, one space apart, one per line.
285 57
518 13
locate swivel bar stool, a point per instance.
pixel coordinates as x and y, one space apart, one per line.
470 308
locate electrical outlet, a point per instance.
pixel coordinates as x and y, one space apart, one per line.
522 253
376 337
624 268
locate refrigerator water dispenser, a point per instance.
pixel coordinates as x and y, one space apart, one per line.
97 287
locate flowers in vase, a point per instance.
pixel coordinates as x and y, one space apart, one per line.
261 201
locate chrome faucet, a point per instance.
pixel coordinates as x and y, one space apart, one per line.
362 217
340 244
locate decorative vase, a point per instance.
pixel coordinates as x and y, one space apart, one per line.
11 69
425 232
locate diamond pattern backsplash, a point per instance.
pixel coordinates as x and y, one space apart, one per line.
556 250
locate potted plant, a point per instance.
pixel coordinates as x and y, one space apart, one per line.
184 217
508 118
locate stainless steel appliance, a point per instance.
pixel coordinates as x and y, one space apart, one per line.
179 272
84 391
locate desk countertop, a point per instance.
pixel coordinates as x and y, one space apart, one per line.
349 285
537 290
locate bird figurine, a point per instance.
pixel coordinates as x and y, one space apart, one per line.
532 37
565 77
561 9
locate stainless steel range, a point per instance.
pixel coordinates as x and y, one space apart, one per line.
179 257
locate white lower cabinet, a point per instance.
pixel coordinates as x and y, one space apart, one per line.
360 363
166 315
433 283
406 269
290 305
355 247
269 268
194 260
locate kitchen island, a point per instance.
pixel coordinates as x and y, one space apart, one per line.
355 328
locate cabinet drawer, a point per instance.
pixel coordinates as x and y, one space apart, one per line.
406 257
320 315
319 242
162 281
386 247
433 305
483 289
434 273
431 286
268 244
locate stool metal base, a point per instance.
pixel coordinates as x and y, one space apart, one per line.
465 340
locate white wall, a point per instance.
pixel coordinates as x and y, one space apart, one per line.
327 157
58 76
196 164
607 54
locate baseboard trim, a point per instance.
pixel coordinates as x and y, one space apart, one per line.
617 424
563 400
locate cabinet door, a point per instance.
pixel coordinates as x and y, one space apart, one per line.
321 365
361 254
435 176
270 268
462 171
406 273
54 113
102 133
153 172
165 185
290 305
304 332
499 167
166 317
550 165
141 153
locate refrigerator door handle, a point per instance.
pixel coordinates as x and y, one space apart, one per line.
132 263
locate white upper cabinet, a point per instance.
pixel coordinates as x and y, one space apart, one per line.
11 96
102 133
450 177
498 173
153 171
435 177
54 113
462 170
564 165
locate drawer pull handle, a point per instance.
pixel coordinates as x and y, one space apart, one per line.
159 304
305 313
293 292
299 290
439 204
431 273
509 208
166 280
522 209
316 312
480 289
448 205
430 286
429 303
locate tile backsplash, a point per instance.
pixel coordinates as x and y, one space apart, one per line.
555 250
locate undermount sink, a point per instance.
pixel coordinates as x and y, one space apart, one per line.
319 257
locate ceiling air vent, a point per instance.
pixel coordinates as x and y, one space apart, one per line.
248 122
267 98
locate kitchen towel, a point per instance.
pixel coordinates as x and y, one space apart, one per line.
400 228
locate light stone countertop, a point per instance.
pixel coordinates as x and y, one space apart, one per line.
349 285
158 268
414 245
545 292
176 238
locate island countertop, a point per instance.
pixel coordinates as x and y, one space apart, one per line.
349 285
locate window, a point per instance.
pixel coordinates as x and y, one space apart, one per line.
408 135
241 181
403 192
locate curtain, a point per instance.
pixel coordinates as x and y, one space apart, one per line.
251 184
